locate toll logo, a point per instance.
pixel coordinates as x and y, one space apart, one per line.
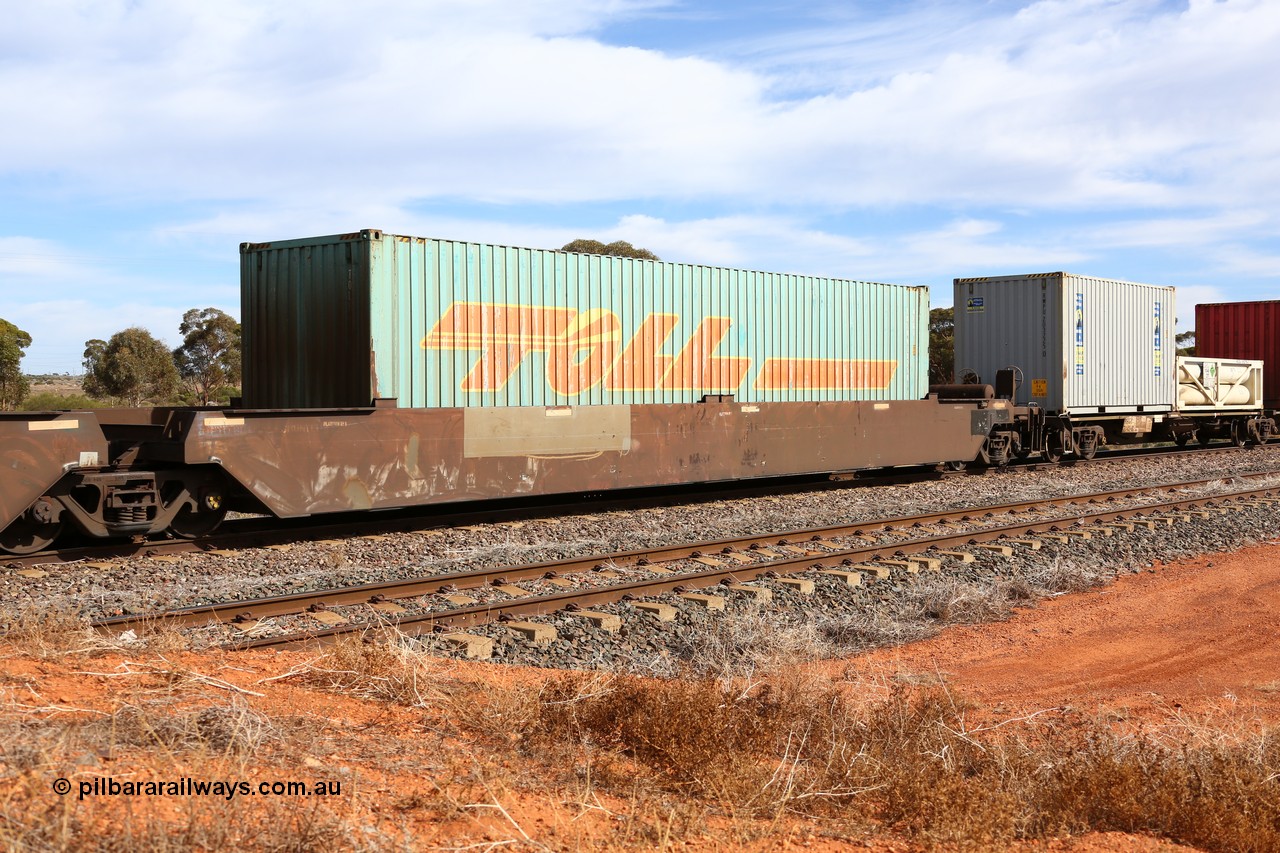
586 349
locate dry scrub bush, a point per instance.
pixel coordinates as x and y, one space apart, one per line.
1218 797
913 764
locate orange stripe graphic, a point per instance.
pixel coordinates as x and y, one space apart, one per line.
824 374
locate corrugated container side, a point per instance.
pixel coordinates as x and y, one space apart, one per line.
453 324
1084 345
1249 330
305 323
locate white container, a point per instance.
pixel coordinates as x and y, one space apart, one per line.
1082 345
1219 384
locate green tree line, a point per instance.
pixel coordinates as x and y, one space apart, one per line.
133 367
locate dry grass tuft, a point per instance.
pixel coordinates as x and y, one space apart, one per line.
159 635
931 602
384 664
935 600
232 729
34 820
229 729
47 634
380 664
914 763
752 639
227 740
1050 577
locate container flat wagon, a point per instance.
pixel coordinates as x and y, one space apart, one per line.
1094 361
387 371
458 370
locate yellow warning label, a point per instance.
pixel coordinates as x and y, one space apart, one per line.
1039 387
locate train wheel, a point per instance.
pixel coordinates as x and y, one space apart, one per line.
996 457
1239 435
1086 445
953 466
189 524
1054 447
1183 438
27 536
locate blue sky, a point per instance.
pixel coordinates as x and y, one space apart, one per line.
909 142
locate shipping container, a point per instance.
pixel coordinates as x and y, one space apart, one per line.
1219 384
342 321
1248 330
1080 345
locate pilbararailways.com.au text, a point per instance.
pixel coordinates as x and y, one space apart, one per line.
105 786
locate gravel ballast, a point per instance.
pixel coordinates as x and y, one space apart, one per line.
836 618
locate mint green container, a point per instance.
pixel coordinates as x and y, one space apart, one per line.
343 320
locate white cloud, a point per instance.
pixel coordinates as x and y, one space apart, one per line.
1170 232
1068 102
1191 295
967 248
1153 124
1241 259
960 247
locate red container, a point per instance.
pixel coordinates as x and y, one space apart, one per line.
1243 330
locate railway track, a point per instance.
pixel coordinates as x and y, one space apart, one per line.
260 532
849 551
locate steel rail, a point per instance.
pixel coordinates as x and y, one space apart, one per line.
257 609
461 617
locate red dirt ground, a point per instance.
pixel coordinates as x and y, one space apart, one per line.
1199 637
